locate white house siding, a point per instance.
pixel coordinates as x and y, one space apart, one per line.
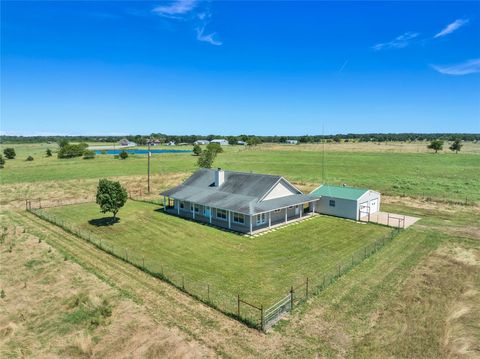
370 199
280 190
345 208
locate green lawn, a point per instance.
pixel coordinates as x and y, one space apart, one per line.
446 175
261 269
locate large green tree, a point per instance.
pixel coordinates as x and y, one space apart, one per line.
456 146
214 147
197 150
436 145
111 196
70 150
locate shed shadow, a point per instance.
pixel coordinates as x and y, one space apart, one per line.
104 222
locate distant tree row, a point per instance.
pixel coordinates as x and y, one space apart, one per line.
164 138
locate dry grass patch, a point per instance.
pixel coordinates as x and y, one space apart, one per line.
53 308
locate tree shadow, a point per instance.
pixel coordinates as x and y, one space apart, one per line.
104 222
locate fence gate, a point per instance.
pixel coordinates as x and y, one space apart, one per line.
277 311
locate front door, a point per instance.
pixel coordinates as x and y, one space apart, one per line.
206 211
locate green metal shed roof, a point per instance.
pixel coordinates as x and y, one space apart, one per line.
351 193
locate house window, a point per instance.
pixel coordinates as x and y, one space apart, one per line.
206 211
221 213
182 204
261 218
194 207
332 203
277 210
238 218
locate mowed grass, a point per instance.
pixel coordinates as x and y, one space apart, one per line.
260 269
442 176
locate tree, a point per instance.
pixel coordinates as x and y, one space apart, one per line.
436 145
70 151
48 152
111 196
62 143
88 154
214 147
206 158
2 161
253 141
29 158
9 153
197 150
456 146
123 155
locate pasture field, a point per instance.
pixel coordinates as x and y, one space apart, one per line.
444 176
261 269
416 298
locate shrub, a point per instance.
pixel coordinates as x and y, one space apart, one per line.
9 153
48 152
88 154
29 158
70 151
206 158
2 161
197 150
456 146
2 294
123 155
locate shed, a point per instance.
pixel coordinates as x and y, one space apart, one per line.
346 202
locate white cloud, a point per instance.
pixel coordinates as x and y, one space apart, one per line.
398 43
201 36
464 68
452 27
175 9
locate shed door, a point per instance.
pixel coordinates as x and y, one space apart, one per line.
373 205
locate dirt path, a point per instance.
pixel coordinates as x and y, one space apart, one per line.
220 334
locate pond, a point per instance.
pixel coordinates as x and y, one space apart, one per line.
138 151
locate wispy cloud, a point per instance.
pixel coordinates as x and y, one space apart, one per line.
175 9
464 68
457 24
201 36
193 11
398 43
343 66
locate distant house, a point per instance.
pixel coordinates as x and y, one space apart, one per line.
126 143
222 142
291 142
170 143
243 143
243 202
346 202
201 142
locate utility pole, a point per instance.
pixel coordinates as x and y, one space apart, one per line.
148 155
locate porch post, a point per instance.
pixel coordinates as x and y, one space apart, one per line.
269 219
301 209
211 210
178 206
164 203
229 220
286 214
193 210
251 224
313 205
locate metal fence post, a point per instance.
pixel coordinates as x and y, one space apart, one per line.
291 298
183 282
208 292
143 262
306 289
238 305
261 318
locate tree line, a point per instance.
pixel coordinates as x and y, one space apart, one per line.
189 139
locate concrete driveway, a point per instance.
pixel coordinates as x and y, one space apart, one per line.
391 219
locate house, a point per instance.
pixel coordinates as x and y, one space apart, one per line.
346 202
222 141
242 202
242 143
291 142
126 143
201 142
170 143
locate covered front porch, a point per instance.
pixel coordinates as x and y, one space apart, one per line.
239 222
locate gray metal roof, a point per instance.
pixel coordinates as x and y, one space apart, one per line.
241 192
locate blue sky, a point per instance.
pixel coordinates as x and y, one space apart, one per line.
190 67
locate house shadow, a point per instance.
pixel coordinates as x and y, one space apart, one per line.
104 222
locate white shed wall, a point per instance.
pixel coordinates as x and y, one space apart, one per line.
343 207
